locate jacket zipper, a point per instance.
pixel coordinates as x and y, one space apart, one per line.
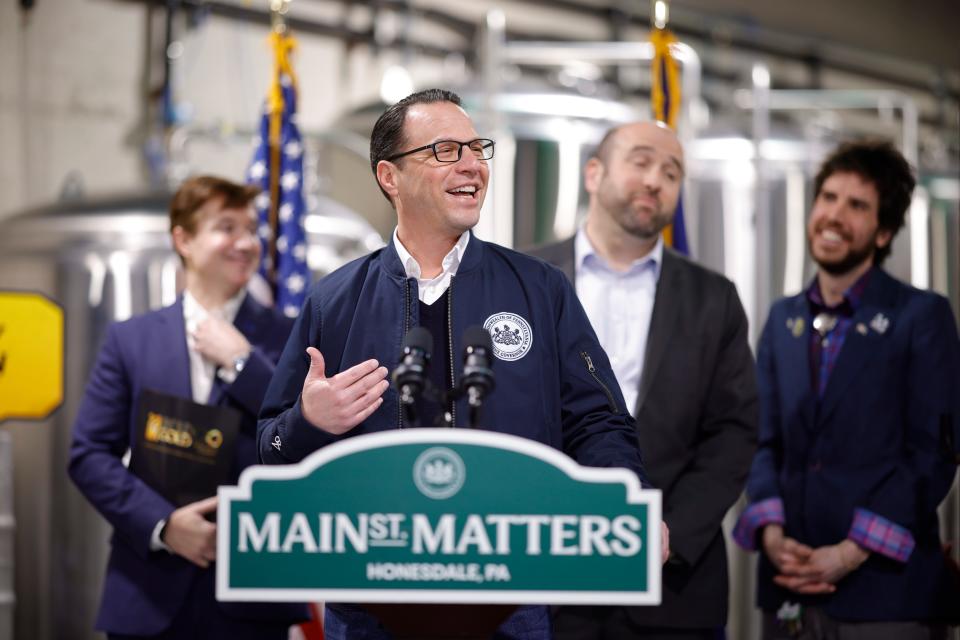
453 380
406 328
593 371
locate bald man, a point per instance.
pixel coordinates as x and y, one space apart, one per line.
676 334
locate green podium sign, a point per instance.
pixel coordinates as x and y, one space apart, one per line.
439 516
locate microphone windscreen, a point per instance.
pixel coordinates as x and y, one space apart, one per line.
418 338
477 336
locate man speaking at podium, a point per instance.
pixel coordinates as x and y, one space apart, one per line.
554 382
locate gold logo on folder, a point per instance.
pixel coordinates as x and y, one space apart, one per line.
213 438
160 428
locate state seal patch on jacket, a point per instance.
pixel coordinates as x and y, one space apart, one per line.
511 335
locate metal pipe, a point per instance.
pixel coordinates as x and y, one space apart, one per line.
7 529
760 254
548 53
690 80
614 53
167 95
701 26
251 15
795 230
496 219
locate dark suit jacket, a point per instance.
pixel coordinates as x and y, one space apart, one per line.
872 441
145 589
697 419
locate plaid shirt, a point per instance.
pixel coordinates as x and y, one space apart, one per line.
869 530
825 351
754 518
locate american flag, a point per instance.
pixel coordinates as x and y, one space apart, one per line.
277 168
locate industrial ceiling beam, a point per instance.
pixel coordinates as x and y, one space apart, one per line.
467 30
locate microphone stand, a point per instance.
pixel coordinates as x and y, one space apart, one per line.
475 401
408 401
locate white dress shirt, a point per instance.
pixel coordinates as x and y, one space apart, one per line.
619 305
201 369
429 290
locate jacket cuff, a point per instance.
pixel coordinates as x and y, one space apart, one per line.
299 437
876 533
249 386
755 517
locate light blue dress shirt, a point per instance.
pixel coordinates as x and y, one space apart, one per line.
619 305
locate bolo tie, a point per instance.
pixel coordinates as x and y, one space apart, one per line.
823 324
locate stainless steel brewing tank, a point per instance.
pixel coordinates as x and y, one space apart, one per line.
101 261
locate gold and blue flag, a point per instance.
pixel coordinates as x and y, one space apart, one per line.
665 101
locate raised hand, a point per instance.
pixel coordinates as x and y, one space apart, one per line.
190 535
339 403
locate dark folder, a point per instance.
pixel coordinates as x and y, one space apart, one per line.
182 449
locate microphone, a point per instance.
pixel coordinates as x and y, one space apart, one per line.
477 379
410 376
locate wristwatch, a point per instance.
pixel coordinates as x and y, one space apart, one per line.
240 362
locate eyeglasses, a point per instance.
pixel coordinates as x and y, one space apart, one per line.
452 151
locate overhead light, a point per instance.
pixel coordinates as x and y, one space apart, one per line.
761 76
396 84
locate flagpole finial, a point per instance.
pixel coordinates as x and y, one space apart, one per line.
661 13
278 14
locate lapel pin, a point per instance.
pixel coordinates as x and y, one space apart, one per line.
861 328
795 325
880 323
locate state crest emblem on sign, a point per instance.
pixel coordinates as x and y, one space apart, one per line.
511 335
439 473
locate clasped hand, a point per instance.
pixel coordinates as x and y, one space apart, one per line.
809 570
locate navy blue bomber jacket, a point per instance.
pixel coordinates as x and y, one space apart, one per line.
554 383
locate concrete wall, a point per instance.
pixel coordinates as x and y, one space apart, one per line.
69 80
